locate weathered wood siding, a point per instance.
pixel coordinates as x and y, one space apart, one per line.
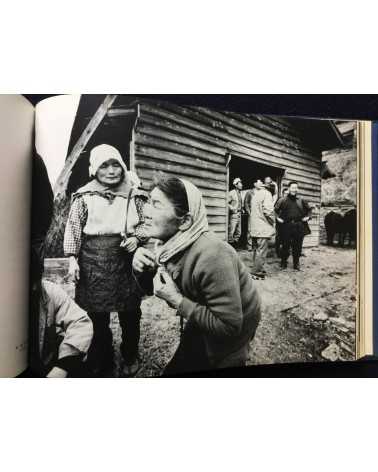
194 143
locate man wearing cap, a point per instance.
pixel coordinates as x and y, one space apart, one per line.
235 209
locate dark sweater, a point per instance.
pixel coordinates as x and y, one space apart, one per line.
220 298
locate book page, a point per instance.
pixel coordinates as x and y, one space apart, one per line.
54 118
365 244
16 144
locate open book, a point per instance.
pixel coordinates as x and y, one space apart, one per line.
167 239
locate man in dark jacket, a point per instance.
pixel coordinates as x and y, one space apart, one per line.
278 242
293 214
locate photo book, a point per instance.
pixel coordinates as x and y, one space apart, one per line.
142 238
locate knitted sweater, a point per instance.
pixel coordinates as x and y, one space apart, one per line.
220 297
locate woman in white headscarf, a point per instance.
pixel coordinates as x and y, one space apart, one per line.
201 277
104 228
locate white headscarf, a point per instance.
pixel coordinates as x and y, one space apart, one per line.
134 179
183 239
101 154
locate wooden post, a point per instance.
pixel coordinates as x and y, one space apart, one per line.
228 162
132 142
62 182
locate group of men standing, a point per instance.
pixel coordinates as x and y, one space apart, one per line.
286 218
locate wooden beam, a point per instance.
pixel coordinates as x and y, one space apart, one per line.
62 182
120 112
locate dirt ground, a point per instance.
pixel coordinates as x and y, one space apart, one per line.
307 315
306 312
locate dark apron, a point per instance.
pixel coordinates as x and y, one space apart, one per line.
106 280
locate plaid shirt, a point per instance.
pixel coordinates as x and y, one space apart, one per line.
77 219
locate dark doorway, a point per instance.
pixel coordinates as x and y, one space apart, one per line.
249 170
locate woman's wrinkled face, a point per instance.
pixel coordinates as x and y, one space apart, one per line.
161 221
110 173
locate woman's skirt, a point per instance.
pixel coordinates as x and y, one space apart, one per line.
106 281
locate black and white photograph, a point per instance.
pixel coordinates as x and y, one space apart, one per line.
183 239
188 233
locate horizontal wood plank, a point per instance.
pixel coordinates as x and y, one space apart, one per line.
183 170
147 175
269 139
159 154
161 129
215 132
216 219
161 143
266 158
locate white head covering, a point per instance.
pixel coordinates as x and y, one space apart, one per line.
101 154
134 179
183 239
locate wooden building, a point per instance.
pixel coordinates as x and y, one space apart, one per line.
210 148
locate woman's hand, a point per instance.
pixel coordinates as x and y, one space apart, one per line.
57 373
166 289
305 219
143 260
280 220
74 269
130 244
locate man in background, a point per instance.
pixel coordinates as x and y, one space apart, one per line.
272 187
262 226
285 193
235 209
293 213
247 207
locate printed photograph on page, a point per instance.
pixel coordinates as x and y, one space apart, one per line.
183 239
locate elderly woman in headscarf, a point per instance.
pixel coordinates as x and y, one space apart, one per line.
104 228
201 277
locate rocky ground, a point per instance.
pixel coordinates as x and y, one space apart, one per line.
307 315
